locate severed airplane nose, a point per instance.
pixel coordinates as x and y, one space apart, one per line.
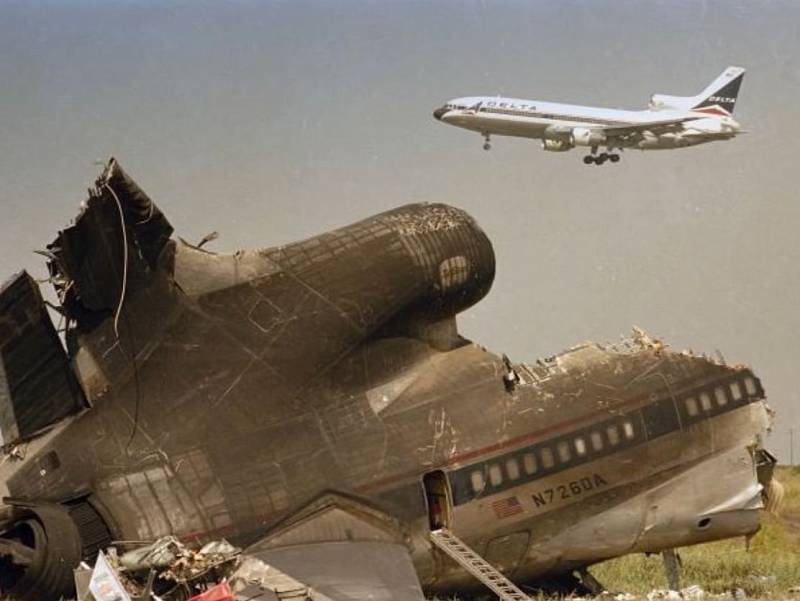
439 113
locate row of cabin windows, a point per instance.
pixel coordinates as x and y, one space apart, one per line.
547 457
704 402
525 113
562 452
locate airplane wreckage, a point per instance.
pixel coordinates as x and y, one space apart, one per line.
314 405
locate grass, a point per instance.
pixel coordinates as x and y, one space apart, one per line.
771 565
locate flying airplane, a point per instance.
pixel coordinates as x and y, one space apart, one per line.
668 122
315 404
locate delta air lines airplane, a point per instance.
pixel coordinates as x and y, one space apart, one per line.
668 122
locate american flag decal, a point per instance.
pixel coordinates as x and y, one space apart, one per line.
505 508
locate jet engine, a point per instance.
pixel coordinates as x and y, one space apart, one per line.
41 545
38 552
584 136
557 145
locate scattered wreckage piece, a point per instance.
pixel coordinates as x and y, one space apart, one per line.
342 548
38 385
315 404
217 572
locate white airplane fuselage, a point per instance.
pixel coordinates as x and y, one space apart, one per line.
542 120
668 122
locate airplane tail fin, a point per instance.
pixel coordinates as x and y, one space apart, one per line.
719 97
720 93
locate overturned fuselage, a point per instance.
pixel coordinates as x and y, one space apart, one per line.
206 395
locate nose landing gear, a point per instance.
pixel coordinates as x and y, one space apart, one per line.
487 144
599 159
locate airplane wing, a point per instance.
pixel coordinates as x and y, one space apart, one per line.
339 549
653 126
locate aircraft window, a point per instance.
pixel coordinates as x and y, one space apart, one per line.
750 386
613 435
580 446
691 406
495 475
736 391
547 458
477 481
722 398
597 441
627 429
705 401
564 454
512 469
529 463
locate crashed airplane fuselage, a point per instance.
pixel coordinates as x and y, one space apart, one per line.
315 402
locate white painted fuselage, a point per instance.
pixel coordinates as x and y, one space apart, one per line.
543 120
668 122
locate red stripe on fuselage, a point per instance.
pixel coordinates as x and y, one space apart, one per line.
713 110
520 441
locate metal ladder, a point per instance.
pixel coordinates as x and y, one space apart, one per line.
477 565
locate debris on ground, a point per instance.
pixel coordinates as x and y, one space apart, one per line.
105 584
167 570
218 592
253 575
693 592
214 561
160 554
663 595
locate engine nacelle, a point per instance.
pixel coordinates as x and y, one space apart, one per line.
41 545
584 136
38 552
557 145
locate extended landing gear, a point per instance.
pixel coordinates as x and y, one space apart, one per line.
672 568
590 582
601 158
487 144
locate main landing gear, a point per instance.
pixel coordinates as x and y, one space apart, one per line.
601 158
487 144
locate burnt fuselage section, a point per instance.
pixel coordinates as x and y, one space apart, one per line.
224 392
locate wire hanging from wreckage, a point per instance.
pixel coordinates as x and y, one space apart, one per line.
118 311
124 259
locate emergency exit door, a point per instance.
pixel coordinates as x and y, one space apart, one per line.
438 499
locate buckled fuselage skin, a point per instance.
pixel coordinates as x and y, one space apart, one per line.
238 388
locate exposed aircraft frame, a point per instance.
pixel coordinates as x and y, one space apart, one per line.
315 404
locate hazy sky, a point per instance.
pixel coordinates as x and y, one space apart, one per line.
272 121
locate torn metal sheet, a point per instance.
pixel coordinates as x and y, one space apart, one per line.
37 385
